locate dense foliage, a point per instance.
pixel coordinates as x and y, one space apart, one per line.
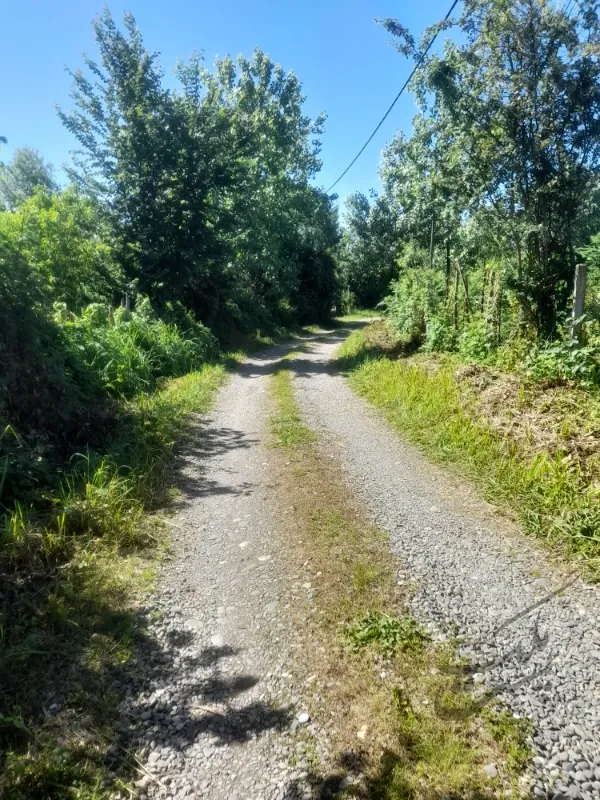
207 187
186 205
494 196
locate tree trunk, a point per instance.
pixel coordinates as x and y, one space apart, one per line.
465 287
431 244
483 288
499 308
448 268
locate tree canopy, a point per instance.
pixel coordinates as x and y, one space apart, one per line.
496 189
26 172
207 186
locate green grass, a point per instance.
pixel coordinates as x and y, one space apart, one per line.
358 314
286 425
71 573
547 493
512 733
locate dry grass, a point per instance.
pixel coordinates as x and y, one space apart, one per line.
558 420
402 720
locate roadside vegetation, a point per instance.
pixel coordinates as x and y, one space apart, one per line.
405 719
123 291
124 296
533 451
482 250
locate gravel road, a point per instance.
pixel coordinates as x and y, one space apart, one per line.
473 577
216 712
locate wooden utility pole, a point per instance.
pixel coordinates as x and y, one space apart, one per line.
578 300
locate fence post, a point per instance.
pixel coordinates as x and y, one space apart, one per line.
578 300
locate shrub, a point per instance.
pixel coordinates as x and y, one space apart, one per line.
476 340
129 351
415 302
566 361
441 336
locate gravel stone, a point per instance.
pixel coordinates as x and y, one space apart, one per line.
474 574
209 710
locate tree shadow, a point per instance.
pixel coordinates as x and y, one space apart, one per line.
344 780
196 457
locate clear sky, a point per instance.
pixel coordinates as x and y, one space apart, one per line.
344 60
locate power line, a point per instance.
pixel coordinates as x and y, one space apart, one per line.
385 116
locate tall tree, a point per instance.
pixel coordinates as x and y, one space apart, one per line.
521 97
26 172
369 247
207 185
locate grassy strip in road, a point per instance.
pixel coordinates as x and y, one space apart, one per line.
287 427
399 706
69 629
547 493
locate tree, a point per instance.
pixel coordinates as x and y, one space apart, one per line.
206 186
64 239
26 172
369 248
521 98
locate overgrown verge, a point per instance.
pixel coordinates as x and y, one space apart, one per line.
71 566
403 716
533 449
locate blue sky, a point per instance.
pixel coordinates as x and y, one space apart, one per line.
345 61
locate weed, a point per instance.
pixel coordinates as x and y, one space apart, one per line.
390 633
513 733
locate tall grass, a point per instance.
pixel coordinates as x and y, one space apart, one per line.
127 352
547 493
69 572
102 497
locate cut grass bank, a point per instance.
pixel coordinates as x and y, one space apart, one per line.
404 720
553 494
69 628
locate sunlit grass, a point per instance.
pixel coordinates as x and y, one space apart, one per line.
546 492
287 425
71 575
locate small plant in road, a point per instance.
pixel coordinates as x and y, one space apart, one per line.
390 633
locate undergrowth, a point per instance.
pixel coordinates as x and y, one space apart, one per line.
421 728
546 491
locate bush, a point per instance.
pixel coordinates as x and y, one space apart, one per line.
416 303
62 374
566 361
440 336
476 340
64 239
129 351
